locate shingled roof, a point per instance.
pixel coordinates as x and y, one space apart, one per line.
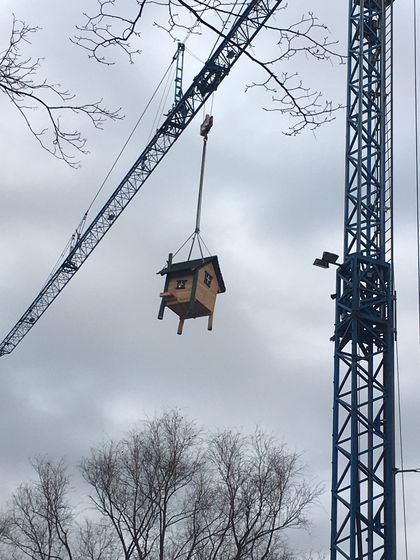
192 266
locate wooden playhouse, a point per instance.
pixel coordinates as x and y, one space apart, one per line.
191 288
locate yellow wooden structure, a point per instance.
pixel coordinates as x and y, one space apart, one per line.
191 288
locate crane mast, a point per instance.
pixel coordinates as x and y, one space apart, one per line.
217 67
363 461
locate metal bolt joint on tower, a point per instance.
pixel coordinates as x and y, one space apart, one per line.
363 487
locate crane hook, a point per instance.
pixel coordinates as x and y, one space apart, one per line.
206 126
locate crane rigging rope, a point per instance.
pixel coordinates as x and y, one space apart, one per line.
133 130
196 235
79 230
225 22
162 103
401 450
204 131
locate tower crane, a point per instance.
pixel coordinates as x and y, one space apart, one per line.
217 67
363 456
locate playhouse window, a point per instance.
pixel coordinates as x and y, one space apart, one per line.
180 284
207 279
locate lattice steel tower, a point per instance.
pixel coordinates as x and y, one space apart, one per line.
363 488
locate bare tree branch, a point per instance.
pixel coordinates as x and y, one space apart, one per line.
40 518
116 25
96 542
48 102
165 492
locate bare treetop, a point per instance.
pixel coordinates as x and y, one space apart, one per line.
165 492
118 26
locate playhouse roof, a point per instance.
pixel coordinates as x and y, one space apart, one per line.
193 265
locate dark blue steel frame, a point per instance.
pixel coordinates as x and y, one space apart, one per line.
179 72
363 487
217 67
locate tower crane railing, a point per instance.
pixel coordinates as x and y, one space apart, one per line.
217 67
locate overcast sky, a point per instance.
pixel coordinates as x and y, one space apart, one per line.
99 361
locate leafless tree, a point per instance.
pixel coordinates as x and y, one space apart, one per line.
43 104
118 25
140 483
169 493
39 520
165 492
40 524
261 493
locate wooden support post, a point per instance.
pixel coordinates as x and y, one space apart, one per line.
180 326
161 309
163 303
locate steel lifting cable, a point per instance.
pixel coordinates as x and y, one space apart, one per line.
205 128
191 29
204 131
400 434
132 132
230 14
70 244
189 51
159 110
196 236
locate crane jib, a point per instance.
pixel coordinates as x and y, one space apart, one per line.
234 43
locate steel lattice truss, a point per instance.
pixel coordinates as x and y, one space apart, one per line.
363 491
246 27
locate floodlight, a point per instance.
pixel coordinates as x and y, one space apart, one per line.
321 263
330 258
327 259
